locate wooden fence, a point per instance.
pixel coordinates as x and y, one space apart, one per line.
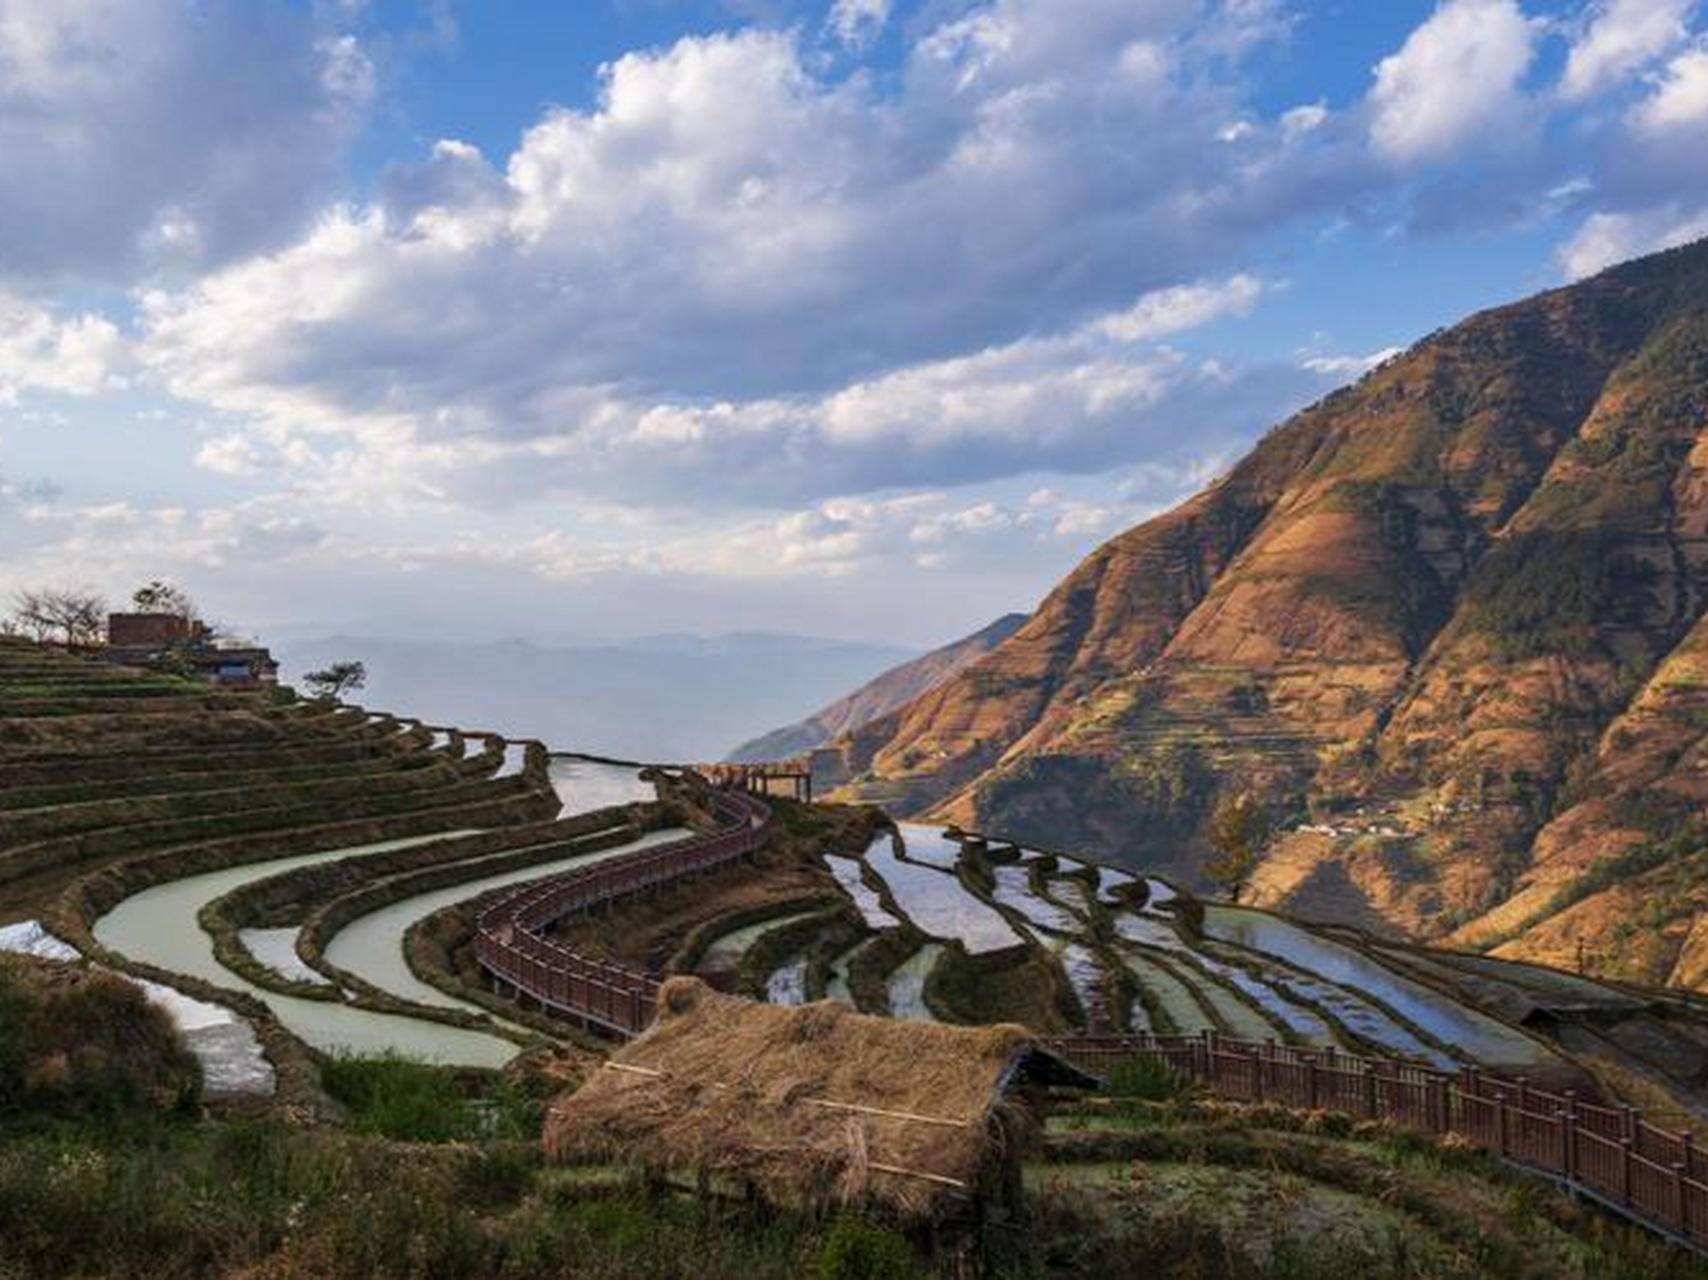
510 940
1654 1176
1657 1177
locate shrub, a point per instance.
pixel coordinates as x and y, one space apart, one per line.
856 1248
80 1042
396 1098
1144 1078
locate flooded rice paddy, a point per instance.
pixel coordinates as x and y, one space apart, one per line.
371 945
159 926
587 785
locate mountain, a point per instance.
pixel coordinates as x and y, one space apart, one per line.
895 687
659 698
1447 623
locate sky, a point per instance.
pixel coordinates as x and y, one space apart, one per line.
858 318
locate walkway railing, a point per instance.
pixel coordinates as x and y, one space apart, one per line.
1655 1176
511 945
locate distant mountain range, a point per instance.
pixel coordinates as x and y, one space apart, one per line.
664 698
894 688
1448 624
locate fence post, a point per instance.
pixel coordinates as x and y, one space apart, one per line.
1688 1141
1369 1091
1625 1171
1678 1195
1628 1121
1311 1086
1568 1144
1438 1118
1501 1137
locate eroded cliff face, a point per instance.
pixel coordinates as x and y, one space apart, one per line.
1449 622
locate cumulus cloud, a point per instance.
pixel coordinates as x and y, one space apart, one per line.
1621 38
78 355
136 133
1100 393
731 260
1680 99
1607 238
1455 82
1348 366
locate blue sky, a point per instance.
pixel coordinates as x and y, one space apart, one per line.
855 317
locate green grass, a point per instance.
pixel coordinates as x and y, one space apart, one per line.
392 1097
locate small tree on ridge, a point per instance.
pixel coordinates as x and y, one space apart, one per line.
1240 830
336 679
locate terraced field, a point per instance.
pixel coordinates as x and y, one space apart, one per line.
257 860
293 873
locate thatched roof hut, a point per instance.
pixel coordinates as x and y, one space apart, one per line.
817 1105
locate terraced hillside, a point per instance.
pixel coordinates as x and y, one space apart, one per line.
291 882
320 871
129 802
1447 623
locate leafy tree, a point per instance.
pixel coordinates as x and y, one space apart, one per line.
70 617
164 597
1240 830
337 679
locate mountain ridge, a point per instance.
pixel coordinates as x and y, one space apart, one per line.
1409 618
883 693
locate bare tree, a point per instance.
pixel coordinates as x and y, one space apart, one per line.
70 617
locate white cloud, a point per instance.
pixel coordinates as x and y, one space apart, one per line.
1607 238
138 133
1454 83
1348 366
1623 37
80 355
732 261
1099 392
1172 310
857 22
1680 100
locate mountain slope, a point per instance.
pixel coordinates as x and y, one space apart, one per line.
879 696
1445 622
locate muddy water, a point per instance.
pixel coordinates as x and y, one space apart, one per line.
586 785
907 983
277 949
725 953
371 946
847 873
1014 891
158 926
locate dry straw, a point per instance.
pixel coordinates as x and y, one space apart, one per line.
814 1106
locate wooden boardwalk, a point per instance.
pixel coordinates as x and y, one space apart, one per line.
1653 1176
